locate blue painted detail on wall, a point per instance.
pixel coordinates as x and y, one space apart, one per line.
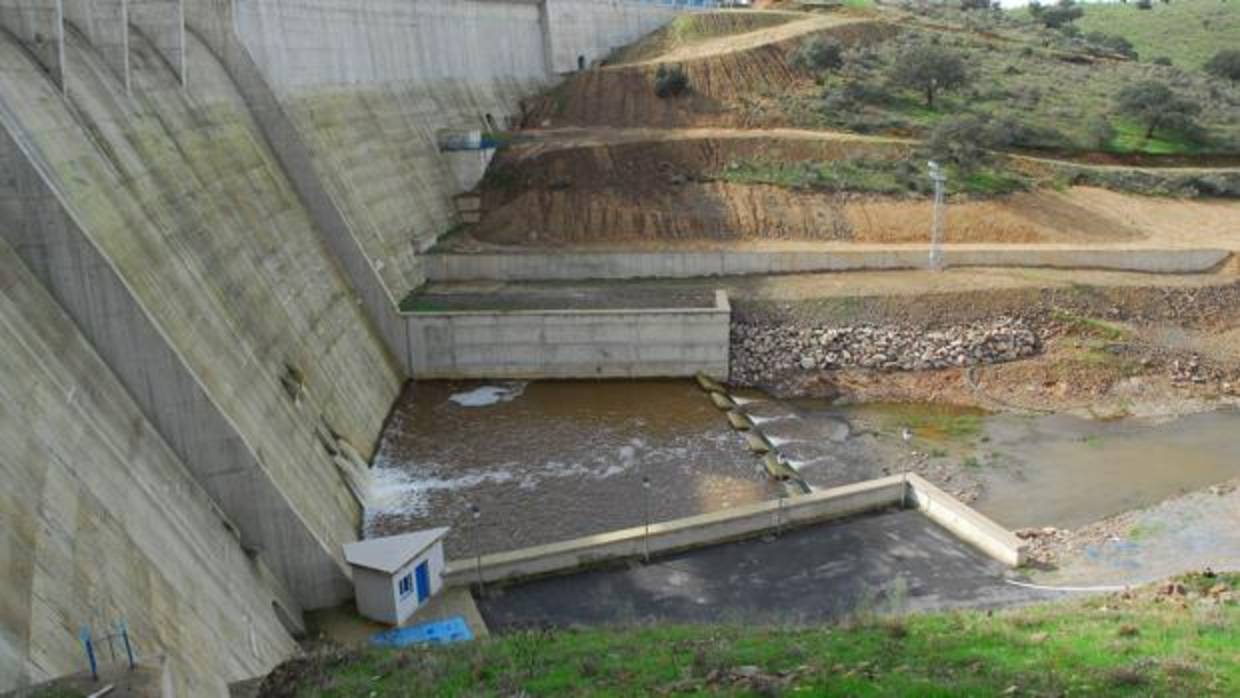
424 581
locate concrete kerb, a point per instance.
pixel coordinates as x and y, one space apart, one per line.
965 522
740 523
576 266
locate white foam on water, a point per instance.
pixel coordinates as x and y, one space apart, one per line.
763 420
778 441
486 395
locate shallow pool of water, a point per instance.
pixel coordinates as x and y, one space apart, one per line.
553 460
1066 471
549 461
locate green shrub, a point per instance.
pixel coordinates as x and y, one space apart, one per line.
1111 43
1063 14
1225 64
817 54
670 82
1099 132
962 140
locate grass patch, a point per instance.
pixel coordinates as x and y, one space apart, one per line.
1090 327
1100 646
1144 531
875 176
931 421
1188 32
1130 138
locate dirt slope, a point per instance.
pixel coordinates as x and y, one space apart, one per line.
730 76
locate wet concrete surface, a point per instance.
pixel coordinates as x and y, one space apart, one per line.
896 561
554 460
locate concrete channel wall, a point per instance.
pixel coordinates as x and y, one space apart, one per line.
652 342
653 265
739 523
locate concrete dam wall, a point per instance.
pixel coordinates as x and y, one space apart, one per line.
208 211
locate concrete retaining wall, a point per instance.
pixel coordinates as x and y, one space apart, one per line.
636 265
745 522
680 534
966 523
571 343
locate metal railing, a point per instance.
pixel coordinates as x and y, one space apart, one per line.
117 638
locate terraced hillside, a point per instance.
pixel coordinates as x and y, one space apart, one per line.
763 148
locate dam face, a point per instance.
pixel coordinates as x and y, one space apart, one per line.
209 210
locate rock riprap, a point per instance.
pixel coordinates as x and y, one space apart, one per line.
762 352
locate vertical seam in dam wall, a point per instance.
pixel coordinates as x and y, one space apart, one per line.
531 344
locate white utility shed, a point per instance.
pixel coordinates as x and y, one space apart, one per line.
394 575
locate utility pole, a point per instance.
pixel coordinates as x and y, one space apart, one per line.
477 514
936 232
646 507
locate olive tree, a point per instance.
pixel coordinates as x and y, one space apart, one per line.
928 69
1154 105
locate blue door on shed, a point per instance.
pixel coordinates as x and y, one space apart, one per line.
423 577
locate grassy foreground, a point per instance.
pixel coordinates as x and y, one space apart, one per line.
1181 639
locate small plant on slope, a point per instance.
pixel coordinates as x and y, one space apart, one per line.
818 54
670 82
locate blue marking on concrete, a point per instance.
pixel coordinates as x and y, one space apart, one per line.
440 632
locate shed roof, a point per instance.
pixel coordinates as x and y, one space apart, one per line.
390 553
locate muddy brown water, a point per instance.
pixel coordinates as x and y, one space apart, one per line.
550 461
